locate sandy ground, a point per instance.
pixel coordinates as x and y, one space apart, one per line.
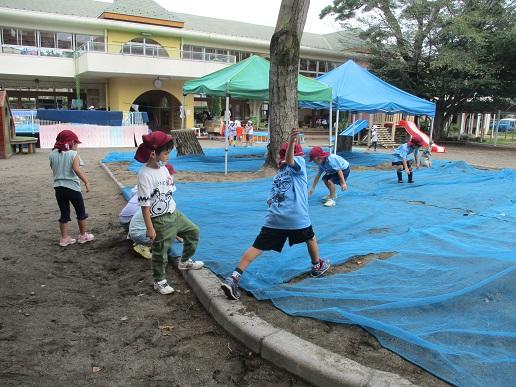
86 314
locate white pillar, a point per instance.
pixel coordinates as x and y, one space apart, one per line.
462 125
477 129
487 123
431 134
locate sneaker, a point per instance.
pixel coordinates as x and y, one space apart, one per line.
230 288
144 251
328 197
190 265
63 242
320 268
400 181
330 203
86 237
162 287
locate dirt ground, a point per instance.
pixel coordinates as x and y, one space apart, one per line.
87 315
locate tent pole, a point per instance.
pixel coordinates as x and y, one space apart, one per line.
330 126
431 135
336 132
226 117
183 113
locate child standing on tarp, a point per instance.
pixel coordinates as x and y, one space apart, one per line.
401 160
336 170
249 129
163 220
374 138
66 168
287 217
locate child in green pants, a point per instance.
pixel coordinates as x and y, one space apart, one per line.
162 219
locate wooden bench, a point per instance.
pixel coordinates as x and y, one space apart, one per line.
19 142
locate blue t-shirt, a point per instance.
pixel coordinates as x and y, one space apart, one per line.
289 196
402 152
332 164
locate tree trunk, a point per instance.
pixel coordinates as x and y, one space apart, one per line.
284 51
186 142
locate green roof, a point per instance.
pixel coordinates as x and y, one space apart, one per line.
335 42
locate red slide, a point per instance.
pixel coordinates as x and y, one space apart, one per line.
413 130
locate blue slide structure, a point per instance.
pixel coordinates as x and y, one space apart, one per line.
354 128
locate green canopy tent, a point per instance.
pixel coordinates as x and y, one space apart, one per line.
249 79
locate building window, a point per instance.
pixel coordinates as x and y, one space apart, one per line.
47 39
28 38
64 41
90 42
10 36
145 47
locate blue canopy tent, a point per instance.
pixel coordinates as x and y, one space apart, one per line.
356 89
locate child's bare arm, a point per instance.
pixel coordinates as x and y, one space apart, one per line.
292 138
316 180
77 169
151 233
343 184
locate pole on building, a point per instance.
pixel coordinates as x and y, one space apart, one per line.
183 112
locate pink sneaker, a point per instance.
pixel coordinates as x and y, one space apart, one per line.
63 242
86 237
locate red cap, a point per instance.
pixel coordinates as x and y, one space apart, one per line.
151 142
170 168
415 141
65 140
298 150
317 151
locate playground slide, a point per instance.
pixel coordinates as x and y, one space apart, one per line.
413 130
354 128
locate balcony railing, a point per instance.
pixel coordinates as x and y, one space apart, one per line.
130 48
36 51
154 51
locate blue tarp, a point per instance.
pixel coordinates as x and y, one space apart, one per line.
92 117
444 300
356 89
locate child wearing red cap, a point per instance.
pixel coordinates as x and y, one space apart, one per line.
66 168
163 220
402 162
287 217
336 170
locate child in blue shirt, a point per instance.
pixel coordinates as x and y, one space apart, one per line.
401 159
287 217
336 171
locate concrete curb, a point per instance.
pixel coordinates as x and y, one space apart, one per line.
283 349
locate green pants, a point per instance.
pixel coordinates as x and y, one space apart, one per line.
167 227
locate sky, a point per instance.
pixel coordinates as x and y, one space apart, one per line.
264 12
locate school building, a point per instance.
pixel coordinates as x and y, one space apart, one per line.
135 54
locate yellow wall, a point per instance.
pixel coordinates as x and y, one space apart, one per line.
117 38
123 91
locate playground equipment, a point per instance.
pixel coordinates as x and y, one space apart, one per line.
413 130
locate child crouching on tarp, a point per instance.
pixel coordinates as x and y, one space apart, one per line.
402 160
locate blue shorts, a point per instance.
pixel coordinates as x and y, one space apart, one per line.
334 177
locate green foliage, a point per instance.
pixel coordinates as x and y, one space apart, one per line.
453 52
216 109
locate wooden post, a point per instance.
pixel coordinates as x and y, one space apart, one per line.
186 142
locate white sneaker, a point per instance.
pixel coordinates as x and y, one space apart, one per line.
190 265
330 203
162 287
328 197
